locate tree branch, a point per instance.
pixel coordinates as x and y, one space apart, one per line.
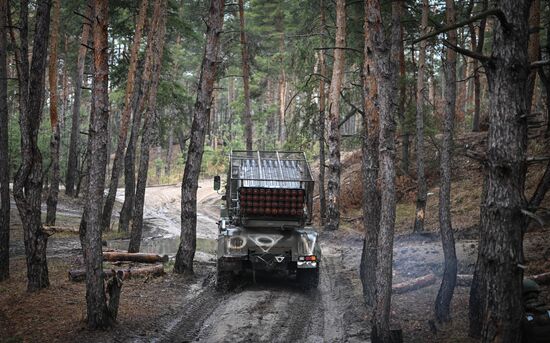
480 57
538 64
341 48
495 12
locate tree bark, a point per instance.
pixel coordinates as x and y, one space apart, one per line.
126 214
477 45
27 188
169 149
125 119
186 249
533 50
72 163
370 160
405 149
99 315
421 190
53 191
448 283
156 50
385 71
334 168
247 117
4 151
322 119
499 279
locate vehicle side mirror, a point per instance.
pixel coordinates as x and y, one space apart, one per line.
217 183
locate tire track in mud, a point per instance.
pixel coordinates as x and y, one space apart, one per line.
270 311
344 310
196 307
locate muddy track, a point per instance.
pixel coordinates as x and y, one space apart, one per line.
275 309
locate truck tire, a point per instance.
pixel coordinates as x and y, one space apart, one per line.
308 278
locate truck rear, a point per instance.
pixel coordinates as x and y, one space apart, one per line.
266 219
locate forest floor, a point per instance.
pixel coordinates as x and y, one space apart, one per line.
175 308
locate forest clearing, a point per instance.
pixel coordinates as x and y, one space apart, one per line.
275 171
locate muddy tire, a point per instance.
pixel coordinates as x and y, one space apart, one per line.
308 278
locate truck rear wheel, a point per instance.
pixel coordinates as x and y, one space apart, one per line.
308 278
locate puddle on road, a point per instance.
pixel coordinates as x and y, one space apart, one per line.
164 245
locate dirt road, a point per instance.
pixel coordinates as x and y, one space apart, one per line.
275 309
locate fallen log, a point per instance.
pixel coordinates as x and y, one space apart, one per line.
51 230
541 279
115 256
413 284
464 280
155 270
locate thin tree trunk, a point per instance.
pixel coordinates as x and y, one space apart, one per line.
186 249
4 151
53 191
72 163
156 49
421 191
445 294
169 150
246 78
100 314
125 120
322 119
282 106
333 187
126 213
385 71
497 278
27 188
371 192
64 85
477 45
405 150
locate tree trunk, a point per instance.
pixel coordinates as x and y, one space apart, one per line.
333 187
533 51
371 192
405 149
477 45
421 192
126 214
282 104
448 283
72 163
499 279
99 313
155 49
186 249
4 151
322 119
169 150
385 71
53 191
125 120
247 117
27 188
64 85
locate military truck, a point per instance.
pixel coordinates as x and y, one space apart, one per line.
266 219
